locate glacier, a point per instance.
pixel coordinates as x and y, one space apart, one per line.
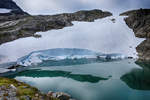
102 36
65 55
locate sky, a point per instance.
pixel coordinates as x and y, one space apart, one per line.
102 35
59 6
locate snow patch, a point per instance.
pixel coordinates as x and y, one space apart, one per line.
2 10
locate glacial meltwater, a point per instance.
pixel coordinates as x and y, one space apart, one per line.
114 80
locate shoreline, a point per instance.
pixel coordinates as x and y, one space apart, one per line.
13 89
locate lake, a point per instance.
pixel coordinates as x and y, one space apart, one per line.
116 80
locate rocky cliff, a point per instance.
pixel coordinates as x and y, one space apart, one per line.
139 21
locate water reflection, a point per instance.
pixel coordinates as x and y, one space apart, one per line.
138 79
36 73
128 81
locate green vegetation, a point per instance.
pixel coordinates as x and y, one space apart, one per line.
23 90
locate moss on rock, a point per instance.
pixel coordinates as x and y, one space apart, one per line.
20 90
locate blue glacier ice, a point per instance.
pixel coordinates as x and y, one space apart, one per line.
65 56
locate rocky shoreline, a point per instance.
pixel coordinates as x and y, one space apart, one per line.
139 22
11 89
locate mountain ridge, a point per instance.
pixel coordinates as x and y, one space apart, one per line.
9 4
139 21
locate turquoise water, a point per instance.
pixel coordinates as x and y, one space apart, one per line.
117 80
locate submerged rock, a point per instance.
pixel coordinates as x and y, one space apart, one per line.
139 21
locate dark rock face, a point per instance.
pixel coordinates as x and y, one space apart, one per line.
144 50
9 4
139 21
16 11
16 26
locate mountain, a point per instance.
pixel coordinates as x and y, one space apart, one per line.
11 5
15 26
139 21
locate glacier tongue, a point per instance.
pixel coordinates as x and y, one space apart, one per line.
60 54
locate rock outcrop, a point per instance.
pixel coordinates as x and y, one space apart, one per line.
11 89
16 26
139 21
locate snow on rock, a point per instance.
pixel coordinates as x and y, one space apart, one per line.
5 10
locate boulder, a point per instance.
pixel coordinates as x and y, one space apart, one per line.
59 95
